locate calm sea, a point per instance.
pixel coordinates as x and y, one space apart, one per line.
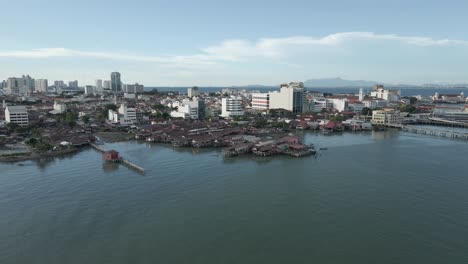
404 91
382 197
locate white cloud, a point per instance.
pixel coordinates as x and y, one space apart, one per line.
279 47
238 49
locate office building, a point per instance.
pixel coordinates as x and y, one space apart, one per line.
17 114
290 97
193 91
231 106
73 85
124 116
106 85
386 117
21 85
189 109
99 87
260 101
41 85
116 82
133 88
89 90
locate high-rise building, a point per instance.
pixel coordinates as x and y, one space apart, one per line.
59 86
133 88
290 97
99 87
106 85
116 82
21 85
261 101
193 91
89 90
41 85
73 84
231 106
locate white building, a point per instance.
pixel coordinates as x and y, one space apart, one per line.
375 103
193 91
41 85
189 109
356 107
106 85
124 116
390 95
322 103
290 97
99 87
261 101
340 104
89 90
231 106
133 88
21 85
386 117
60 107
17 114
73 84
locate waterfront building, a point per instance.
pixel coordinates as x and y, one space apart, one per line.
106 85
21 85
41 85
193 91
340 104
361 95
449 98
261 101
386 117
322 103
380 92
73 85
124 116
375 103
189 109
133 88
116 83
231 106
290 97
99 87
17 114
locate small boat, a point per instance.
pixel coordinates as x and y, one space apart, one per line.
323 148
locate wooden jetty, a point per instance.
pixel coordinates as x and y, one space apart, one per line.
120 159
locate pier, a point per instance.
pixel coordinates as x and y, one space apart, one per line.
121 160
435 132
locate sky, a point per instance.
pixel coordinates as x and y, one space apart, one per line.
242 42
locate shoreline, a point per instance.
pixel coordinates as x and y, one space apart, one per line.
37 156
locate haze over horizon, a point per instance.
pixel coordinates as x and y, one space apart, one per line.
209 43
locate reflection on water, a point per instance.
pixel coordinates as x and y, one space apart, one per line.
109 166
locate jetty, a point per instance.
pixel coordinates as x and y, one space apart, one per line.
435 132
113 156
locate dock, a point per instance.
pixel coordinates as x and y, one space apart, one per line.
435 132
122 160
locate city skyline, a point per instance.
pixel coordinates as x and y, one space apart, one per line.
206 44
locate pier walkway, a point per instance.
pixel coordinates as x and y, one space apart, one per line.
122 160
435 132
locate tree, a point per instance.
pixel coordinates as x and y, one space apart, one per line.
165 115
366 111
100 117
12 126
85 119
413 100
70 119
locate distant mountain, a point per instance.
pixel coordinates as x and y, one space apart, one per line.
337 82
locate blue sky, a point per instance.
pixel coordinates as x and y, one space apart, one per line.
181 43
